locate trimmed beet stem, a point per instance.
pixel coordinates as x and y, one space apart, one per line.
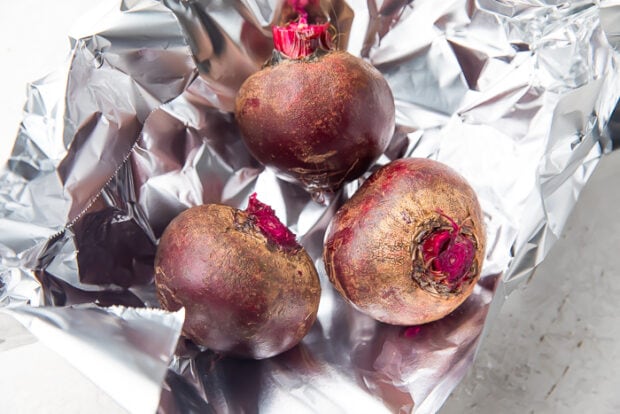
297 40
448 254
265 218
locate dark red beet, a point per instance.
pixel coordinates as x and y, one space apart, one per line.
317 116
408 247
248 288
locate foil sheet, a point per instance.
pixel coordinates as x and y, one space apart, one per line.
516 96
123 351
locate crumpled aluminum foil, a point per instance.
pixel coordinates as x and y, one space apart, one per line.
123 351
514 95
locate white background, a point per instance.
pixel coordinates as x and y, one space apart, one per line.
33 42
555 347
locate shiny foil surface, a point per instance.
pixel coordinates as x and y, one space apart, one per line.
514 95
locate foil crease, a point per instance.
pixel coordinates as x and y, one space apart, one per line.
123 351
516 96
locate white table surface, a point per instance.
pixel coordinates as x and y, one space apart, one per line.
555 347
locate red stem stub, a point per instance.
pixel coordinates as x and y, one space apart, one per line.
265 218
448 255
299 39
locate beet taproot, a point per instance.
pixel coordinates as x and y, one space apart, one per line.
317 116
248 288
407 248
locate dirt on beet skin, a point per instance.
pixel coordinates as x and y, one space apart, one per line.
244 293
408 247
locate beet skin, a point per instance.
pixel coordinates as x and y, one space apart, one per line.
248 288
408 247
318 117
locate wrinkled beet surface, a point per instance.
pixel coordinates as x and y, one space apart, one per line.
319 121
408 247
244 294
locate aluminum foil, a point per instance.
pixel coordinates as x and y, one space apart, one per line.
123 351
515 95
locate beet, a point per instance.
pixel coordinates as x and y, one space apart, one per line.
316 116
249 290
408 247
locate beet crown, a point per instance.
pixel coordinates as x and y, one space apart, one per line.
269 224
298 39
445 257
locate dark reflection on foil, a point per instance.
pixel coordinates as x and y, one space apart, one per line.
256 42
60 293
178 396
113 249
614 127
108 250
50 272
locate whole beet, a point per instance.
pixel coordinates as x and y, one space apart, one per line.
249 290
408 247
317 116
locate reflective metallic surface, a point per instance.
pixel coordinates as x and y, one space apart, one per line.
124 352
515 96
